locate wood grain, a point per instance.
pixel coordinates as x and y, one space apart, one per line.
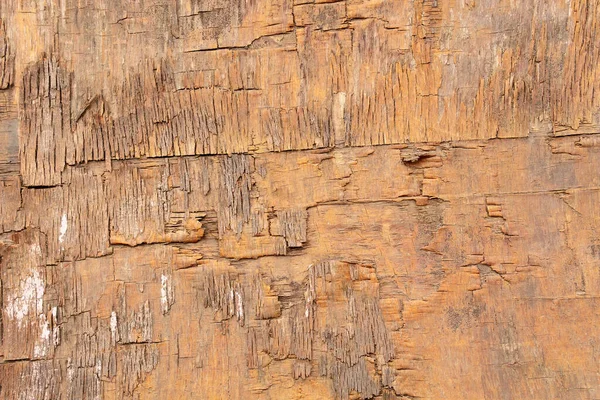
283 199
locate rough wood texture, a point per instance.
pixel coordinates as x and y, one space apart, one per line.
283 199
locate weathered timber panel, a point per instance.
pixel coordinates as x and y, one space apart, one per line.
282 199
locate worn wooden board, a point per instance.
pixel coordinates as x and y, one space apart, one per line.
282 199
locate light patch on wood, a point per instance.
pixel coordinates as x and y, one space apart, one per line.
166 293
27 299
113 326
41 346
63 228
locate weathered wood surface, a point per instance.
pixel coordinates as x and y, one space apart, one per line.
283 199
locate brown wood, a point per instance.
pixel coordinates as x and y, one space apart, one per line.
285 199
